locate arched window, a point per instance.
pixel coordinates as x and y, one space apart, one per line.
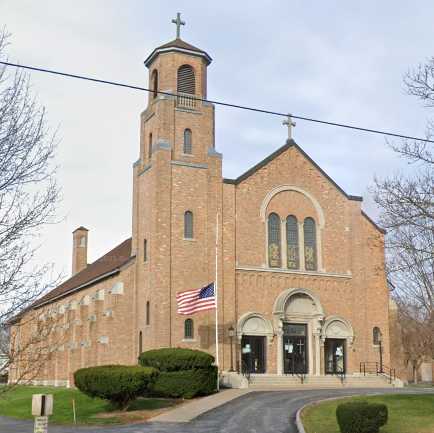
188 225
148 313
309 230
140 342
150 146
185 80
145 250
376 335
274 254
189 329
154 81
188 146
292 242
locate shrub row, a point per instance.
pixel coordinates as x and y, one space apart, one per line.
118 383
186 383
175 359
361 417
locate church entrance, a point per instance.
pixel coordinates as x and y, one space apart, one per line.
295 357
253 354
334 349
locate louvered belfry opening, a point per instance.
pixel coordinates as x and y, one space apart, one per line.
186 87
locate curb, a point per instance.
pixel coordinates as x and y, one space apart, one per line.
298 422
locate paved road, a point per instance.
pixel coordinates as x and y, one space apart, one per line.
256 412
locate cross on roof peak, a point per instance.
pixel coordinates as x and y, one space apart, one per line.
289 123
178 23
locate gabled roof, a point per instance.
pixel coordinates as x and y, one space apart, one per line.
284 148
177 45
107 265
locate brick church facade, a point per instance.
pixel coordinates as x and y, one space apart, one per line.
301 267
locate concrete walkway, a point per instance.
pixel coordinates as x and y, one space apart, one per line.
193 409
253 412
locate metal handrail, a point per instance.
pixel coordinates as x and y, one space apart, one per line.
341 374
245 370
384 370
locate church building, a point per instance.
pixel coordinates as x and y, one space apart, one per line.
302 288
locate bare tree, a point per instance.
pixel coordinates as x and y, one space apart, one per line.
407 205
28 198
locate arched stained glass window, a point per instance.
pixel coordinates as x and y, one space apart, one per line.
274 248
185 80
310 253
292 242
188 145
376 335
189 329
154 81
188 225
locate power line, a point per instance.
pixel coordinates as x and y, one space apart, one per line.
224 104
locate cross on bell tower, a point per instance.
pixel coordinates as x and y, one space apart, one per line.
178 23
289 123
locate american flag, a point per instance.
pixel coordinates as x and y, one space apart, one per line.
192 301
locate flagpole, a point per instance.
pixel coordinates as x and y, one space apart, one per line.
216 301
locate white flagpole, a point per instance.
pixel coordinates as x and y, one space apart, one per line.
216 300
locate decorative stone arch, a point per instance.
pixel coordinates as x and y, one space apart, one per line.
337 327
319 218
277 189
255 324
280 304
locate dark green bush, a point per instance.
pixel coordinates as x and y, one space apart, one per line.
361 417
118 383
186 384
175 359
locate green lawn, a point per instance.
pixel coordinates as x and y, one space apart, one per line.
17 403
407 414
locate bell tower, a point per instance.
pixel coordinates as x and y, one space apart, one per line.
177 189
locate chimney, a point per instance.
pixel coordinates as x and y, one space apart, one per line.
79 249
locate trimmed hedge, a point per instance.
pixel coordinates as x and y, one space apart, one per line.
186 383
361 417
118 383
175 359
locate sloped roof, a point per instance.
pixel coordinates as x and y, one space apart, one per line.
106 265
269 158
285 147
177 45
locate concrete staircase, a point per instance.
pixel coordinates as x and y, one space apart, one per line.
274 381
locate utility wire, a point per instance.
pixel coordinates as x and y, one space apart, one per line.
224 104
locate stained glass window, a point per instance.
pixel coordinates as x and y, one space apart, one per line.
274 253
310 253
292 242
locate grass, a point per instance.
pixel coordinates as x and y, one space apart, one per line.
17 403
407 414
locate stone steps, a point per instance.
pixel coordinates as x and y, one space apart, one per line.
283 382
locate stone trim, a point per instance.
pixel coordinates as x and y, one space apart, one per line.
189 164
281 188
292 271
213 152
145 169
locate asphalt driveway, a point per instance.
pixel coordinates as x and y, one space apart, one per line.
255 412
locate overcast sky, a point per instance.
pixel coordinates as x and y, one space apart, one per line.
334 60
